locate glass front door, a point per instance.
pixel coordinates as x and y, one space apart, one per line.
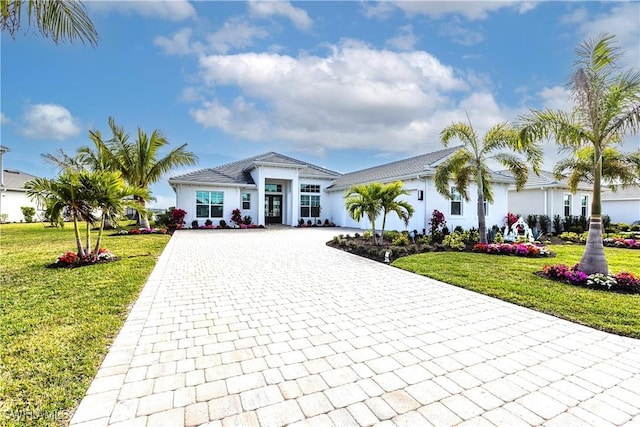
273 209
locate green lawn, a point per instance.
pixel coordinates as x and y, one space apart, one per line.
56 324
512 279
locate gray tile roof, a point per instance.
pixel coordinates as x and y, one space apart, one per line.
545 179
15 180
422 164
239 172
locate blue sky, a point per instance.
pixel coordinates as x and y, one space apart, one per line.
344 85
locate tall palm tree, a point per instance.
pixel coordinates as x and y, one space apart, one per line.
470 163
365 199
54 19
618 169
65 194
389 203
606 106
139 162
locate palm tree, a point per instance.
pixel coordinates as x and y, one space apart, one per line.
365 199
618 169
111 195
139 162
55 19
65 194
606 106
404 210
470 163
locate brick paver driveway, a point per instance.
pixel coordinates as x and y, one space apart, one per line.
271 327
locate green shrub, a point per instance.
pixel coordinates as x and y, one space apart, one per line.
454 241
367 234
545 223
499 238
28 212
400 240
623 226
635 227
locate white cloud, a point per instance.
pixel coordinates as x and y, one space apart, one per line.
471 10
170 10
179 43
623 20
556 98
355 97
4 119
404 39
49 121
266 9
460 32
236 33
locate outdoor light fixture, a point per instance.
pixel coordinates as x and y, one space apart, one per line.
386 257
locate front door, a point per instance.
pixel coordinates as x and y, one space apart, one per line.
273 209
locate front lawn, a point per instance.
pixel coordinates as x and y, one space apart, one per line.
512 279
56 324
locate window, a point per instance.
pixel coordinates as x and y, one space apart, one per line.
456 202
420 195
273 188
486 208
246 201
567 205
584 205
209 204
306 188
309 206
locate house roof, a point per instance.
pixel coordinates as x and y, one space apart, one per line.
15 179
545 179
238 173
4 149
424 165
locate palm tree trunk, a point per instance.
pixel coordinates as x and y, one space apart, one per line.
593 259
99 239
373 228
482 221
384 221
88 246
78 239
144 219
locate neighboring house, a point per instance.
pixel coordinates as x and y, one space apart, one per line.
622 205
276 189
545 195
14 196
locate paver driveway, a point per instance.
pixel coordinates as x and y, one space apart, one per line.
271 327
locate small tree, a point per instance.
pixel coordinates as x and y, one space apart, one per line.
389 203
437 224
365 199
28 212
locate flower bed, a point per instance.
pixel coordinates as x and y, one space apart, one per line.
621 243
623 282
71 259
136 231
517 249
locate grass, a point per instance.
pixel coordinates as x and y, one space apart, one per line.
512 279
56 324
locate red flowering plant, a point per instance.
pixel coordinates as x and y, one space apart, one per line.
622 282
519 249
177 219
71 259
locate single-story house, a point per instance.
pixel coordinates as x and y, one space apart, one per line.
13 196
622 205
545 195
275 189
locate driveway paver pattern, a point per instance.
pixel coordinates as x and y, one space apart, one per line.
272 327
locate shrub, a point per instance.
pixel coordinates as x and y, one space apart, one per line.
622 282
194 224
367 234
532 221
236 217
28 212
545 222
498 238
454 241
623 226
222 224
309 223
208 223
247 220
557 225
300 222
510 219
437 224
176 220
635 227
400 240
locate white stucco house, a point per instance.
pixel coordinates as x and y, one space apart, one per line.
545 195
622 205
13 196
276 189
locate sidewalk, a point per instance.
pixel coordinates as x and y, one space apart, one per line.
272 327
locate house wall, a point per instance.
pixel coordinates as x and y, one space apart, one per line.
424 208
546 201
186 199
622 205
12 201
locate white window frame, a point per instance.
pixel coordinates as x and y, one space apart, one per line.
210 204
243 201
567 200
456 197
584 205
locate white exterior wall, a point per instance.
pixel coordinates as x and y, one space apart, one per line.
12 201
623 205
424 209
547 201
186 199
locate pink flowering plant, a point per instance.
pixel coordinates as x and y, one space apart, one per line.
621 243
518 249
623 282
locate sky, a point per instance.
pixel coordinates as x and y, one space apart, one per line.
343 85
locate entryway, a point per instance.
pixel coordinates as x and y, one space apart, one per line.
273 209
